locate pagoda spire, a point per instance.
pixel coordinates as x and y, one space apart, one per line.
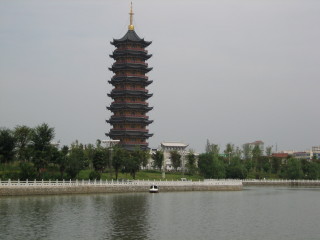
131 27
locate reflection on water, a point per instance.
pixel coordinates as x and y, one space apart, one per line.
255 213
129 216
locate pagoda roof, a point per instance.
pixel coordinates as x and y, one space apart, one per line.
129 106
131 80
137 133
134 53
131 36
118 93
125 66
129 120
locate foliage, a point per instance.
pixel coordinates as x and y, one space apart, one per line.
294 169
100 159
191 162
94 175
7 145
41 138
212 148
75 160
247 151
158 159
210 166
23 138
175 159
118 159
236 169
27 171
133 161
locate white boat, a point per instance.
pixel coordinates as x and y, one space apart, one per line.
154 189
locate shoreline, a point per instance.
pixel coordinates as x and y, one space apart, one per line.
18 188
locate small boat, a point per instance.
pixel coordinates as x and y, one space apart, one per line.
154 189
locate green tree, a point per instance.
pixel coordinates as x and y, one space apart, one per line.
276 165
269 151
247 151
118 159
100 159
175 159
23 138
63 160
76 160
236 169
41 138
205 164
7 145
157 157
229 150
294 169
210 166
89 152
191 162
133 162
212 148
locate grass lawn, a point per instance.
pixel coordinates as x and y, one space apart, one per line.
143 175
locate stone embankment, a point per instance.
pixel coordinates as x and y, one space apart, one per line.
281 182
20 188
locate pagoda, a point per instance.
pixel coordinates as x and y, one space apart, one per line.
129 107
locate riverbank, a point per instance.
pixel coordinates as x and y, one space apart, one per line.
281 182
21 188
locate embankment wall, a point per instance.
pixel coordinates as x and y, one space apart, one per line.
56 190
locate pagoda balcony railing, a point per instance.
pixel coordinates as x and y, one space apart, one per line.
131 75
131 88
130 129
131 102
132 48
132 61
133 116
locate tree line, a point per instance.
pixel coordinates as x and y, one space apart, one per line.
251 162
32 148
38 158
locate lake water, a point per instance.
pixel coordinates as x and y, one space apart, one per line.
279 213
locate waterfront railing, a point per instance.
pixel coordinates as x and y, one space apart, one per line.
57 183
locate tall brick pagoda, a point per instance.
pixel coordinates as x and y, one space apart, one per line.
129 106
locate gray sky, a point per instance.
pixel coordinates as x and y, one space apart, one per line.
224 70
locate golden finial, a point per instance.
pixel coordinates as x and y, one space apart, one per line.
131 27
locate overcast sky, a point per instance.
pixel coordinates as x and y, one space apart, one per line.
224 70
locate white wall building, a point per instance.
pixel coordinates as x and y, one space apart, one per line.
167 147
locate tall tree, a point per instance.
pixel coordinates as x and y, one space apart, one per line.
191 162
133 162
23 138
294 169
212 148
247 151
76 160
7 145
269 151
118 158
175 159
41 138
157 159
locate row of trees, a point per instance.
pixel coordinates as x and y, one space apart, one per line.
252 163
33 149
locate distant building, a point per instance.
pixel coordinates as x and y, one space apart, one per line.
167 147
258 143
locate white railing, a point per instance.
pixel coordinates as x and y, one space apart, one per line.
279 181
64 183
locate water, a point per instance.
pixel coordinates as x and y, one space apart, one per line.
278 213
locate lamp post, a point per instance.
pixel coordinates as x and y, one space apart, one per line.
110 144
